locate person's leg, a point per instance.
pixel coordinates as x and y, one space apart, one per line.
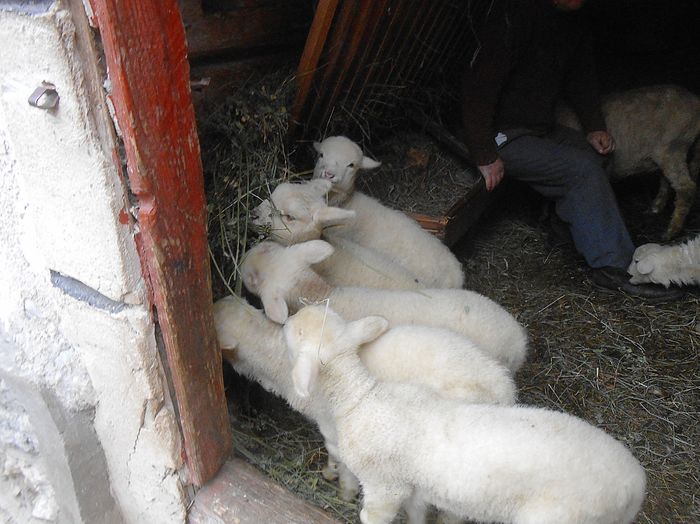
563 167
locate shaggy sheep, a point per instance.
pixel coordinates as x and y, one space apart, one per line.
654 128
298 212
437 358
408 446
389 231
678 264
283 279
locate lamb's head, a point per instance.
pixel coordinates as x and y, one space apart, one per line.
317 334
233 315
645 261
270 271
339 159
298 212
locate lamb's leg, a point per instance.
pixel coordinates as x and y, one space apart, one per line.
416 509
661 199
335 469
349 485
445 517
382 503
676 171
330 470
330 439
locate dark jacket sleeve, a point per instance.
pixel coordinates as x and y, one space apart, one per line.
482 81
582 87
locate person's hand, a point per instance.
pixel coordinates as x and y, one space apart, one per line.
492 173
602 141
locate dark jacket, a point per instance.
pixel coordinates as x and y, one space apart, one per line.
529 54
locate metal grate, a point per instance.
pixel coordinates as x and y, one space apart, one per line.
364 57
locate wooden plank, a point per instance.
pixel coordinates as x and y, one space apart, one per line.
432 224
145 49
327 75
315 42
463 214
240 493
267 25
375 23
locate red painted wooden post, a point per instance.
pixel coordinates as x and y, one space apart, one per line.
145 48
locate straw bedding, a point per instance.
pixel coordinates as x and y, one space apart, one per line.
626 366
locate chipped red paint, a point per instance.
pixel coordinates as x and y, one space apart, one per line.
145 49
123 216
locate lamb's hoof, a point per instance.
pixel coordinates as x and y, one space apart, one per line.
348 494
330 473
349 488
448 518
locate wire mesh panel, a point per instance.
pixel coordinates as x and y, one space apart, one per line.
366 58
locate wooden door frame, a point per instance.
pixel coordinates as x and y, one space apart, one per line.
146 56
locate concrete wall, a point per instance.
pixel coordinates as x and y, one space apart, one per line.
87 430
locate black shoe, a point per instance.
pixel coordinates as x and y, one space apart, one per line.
558 232
617 279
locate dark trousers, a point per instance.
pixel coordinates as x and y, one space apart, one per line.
563 167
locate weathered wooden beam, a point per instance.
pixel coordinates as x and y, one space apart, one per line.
240 493
315 42
269 25
146 55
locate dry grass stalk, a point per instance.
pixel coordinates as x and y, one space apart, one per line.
628 367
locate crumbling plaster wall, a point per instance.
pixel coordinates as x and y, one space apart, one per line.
87 431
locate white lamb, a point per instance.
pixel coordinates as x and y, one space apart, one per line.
408 446
435 357
654 128
677 264
389 231
339 160
282 277
298 212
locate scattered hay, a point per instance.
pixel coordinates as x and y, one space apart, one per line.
244 156
628 367
417 175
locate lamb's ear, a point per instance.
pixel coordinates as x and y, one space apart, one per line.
317 146
275 306
333 216
312 251
645 266
366 329
368 163
304 375
227 341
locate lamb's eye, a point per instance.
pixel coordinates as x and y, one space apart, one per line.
288 218
351 164
320 155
